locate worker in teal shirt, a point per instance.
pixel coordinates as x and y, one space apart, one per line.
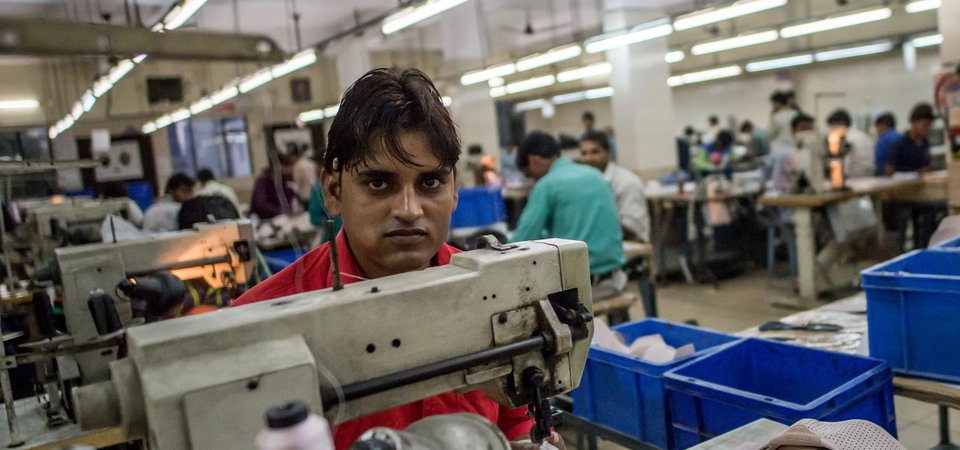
319 214
570 201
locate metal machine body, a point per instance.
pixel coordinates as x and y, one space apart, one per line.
219 253
38 227
512 320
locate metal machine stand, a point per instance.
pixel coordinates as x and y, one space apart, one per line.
945 443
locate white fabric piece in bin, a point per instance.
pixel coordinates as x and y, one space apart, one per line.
846 435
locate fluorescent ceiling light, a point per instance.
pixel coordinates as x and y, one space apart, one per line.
593 70
296 62
76 111
201 105
713 15
833 23
674 56
224 94
552 56
922 5
639 33
496 82
498 91
596 93
851 52
149 127
331 111
102 86
88 100
140 58
779 63
414 14
53 132
180 114
163 121
530 84
446 100
530 105
120 70
311 116
256 80
927 41
478 76
181 13
19 104
744 40
704 75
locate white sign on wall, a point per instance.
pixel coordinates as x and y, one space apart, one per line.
120 162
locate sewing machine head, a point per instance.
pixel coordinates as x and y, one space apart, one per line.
512 320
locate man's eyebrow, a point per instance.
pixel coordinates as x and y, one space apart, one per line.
437 173
376 173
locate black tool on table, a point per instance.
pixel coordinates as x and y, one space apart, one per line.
812 326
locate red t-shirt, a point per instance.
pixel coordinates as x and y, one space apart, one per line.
313 272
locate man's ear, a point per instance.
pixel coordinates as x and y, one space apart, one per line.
456 191
332 191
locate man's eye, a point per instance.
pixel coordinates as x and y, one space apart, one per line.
377 185
432 183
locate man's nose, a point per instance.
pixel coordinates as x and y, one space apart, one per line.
408 208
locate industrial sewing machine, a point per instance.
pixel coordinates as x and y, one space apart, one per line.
512 320
88 275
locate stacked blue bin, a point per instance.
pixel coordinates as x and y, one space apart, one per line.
913 302
626 393
478 206
757 378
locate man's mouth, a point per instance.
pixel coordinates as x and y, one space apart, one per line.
406 236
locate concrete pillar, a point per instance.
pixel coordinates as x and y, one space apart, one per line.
474 113
642 103
948 18
353 60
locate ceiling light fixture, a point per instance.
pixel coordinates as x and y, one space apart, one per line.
779 63
927 41
530 84
674 56
549 57
201 105
922 5
704 75
851 52
530 105
593 70
415 14
224 94
744 40
180 114
496 82
149 127
296 62
312 115
639 33
447 101
498 91
181 13
833 23
256 80
19 104
714 15
331 111
478 76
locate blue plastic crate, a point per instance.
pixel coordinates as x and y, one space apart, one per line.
757 378
141 192
626 393
952 244
477 207
912 305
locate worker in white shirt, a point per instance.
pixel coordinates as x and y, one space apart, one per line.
211 187
627 186
859 162
781 120
304 174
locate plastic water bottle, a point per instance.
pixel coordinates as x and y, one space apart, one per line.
292 426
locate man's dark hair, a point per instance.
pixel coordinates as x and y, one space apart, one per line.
922 111
800 118
887 120
199 209
381 105
177 181
598 137
746 127
714 120
724 139
779 97
689 131
536 143
205 175
112 189
839 117
587 115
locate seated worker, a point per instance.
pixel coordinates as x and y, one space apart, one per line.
912 152
389 173
163 215
265 202
571 201
627 186
118 189
757 138
887 136
319 215
859 162
209 186
715 157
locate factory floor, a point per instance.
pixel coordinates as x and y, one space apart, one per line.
745 301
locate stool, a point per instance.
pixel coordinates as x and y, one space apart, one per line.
615 307
640 258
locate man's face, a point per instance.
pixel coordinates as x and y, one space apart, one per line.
537 167
587 124
395 216
182 193
881 128
803 126
921 128
593 154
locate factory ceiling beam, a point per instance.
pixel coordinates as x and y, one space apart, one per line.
58 38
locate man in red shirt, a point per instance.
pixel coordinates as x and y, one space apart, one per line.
389 173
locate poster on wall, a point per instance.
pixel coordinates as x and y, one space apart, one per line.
120 162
